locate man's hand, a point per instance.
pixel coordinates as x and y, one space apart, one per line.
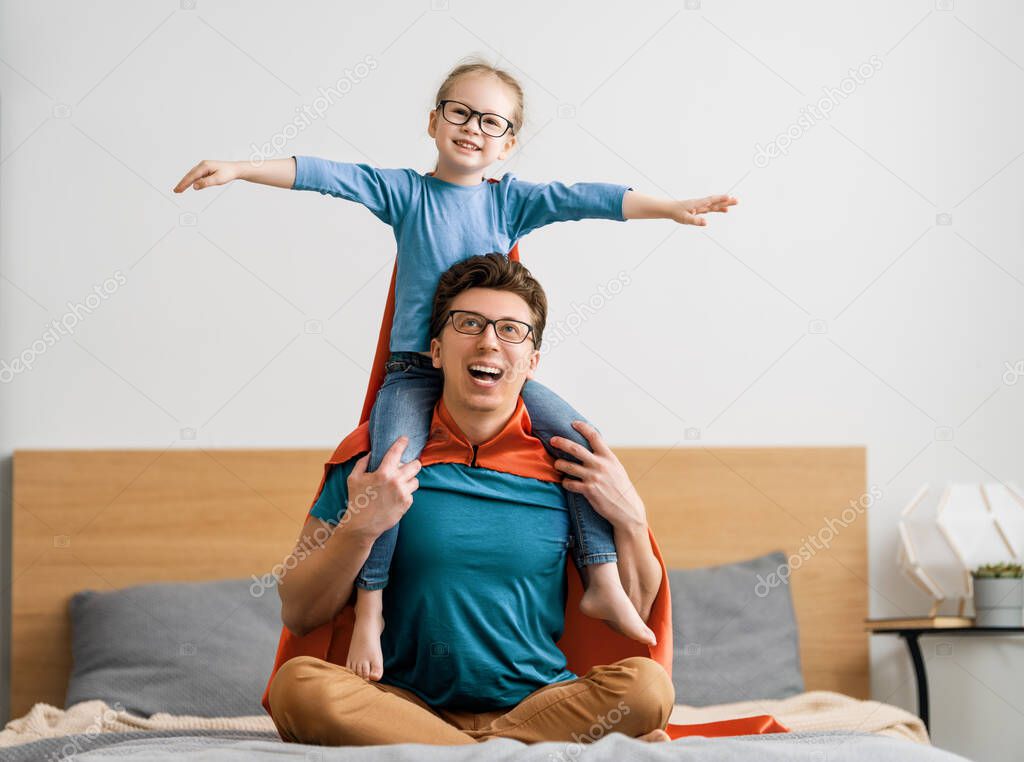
688 212
601 479
207 173
605 483
378 500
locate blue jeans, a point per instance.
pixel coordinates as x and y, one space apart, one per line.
405 405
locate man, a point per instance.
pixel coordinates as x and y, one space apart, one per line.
476 602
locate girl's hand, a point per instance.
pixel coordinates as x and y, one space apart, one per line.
601 479
688 212
208 172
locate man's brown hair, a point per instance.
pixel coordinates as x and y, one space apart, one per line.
489 271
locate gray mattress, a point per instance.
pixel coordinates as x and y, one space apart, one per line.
228 746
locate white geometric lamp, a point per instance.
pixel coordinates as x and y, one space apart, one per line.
970 525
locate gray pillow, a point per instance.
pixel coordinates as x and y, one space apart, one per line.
201 648
734 633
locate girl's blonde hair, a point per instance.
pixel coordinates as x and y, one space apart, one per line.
479 66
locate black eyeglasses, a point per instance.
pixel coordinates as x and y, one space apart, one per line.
494 125
506 329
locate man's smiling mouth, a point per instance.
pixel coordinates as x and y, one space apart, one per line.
485 374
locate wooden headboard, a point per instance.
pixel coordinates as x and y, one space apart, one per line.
104 519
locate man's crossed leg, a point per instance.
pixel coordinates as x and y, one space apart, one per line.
316 702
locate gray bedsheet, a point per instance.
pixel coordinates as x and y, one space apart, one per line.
226 746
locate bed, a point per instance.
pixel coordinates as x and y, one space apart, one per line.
159 534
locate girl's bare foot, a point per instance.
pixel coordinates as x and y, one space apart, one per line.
655 736
606 599
364 654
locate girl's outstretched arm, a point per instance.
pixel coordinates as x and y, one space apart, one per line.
528 206
385 192
277 172
638 206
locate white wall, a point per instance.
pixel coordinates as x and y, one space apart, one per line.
106 105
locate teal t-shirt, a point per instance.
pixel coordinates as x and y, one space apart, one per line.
475 601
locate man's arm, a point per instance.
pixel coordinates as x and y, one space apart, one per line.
639 568
601 478
320 580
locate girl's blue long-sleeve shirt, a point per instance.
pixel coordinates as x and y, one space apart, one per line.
437 223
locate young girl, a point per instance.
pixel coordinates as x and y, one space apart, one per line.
441 218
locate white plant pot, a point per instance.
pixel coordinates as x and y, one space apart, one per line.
998 601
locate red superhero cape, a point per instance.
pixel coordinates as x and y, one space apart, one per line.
585 642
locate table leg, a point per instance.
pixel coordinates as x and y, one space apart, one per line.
919 674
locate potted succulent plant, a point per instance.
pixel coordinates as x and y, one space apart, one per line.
998 595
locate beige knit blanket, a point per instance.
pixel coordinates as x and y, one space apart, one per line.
45 721
816 710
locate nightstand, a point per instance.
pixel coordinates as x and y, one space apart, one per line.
911 635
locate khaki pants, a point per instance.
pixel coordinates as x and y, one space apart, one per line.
316 702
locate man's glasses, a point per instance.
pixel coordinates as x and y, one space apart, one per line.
494 125
506 329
